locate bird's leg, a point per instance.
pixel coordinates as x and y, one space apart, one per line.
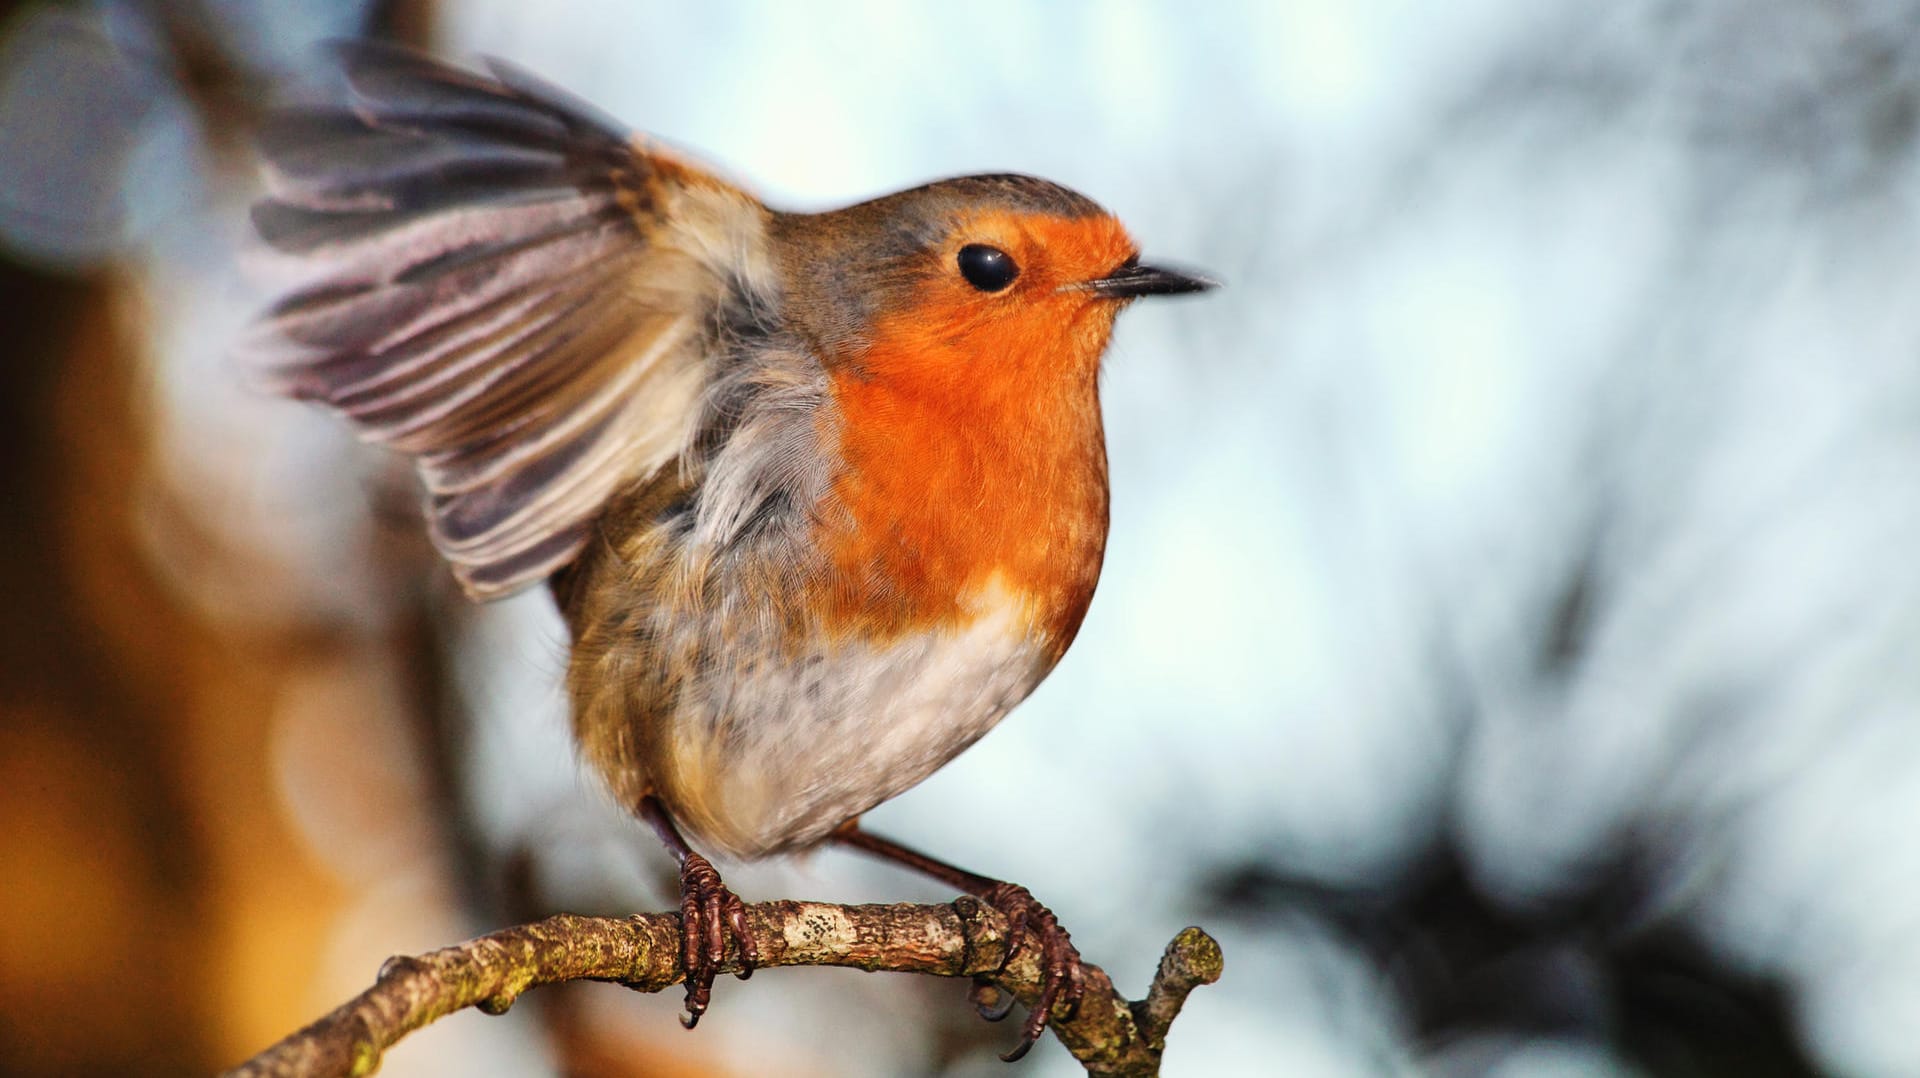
1062 979
707 910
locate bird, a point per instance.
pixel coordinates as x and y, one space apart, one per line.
820 496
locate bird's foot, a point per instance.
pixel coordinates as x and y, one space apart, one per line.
708 912
1062 982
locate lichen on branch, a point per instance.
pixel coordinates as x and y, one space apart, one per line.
1107 1034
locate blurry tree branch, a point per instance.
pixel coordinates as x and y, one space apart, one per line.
1108 1034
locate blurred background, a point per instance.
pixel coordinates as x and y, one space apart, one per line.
1508 644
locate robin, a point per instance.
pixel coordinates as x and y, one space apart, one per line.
820 496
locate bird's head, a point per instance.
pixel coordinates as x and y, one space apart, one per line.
966 286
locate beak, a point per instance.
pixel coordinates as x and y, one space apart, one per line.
1139 279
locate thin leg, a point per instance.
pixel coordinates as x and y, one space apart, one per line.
851 834
707 910
1062 978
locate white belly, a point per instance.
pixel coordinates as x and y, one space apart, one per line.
773 756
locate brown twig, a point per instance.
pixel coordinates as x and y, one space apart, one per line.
1108 1035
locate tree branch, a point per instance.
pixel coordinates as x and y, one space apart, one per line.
1108 1035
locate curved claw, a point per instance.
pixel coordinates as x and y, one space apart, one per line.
1063 981
707 911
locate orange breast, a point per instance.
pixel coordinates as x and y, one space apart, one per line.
973 460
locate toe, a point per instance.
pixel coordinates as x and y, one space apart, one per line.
1063 982
742 935
715 924
1076 987
690 936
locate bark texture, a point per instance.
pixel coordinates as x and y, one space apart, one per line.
1108 1034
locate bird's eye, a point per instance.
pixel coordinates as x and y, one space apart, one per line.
987 268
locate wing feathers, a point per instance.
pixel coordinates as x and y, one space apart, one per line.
411 90
545 425
498 288
330 160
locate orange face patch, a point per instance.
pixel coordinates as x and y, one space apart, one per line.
970 432
948 327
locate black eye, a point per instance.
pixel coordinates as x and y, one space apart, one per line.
987 268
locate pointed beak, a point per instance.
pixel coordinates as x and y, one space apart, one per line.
1139 279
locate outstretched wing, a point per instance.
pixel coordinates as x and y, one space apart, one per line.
506 286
